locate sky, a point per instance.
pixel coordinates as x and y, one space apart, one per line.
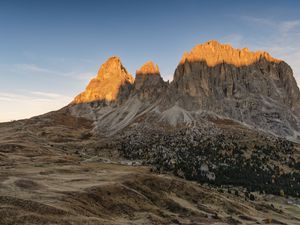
49 50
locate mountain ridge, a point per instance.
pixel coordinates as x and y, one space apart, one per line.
262 94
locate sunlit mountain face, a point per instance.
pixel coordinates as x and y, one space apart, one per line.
105 86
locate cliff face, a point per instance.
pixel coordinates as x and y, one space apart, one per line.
111 80
214 72
252 88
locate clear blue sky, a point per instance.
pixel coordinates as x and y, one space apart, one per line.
50 49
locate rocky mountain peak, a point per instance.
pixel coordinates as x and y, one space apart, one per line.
111 78
149 68
148 82
213 53
113 67
147 76
220 71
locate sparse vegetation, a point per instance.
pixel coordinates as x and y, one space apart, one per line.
218 158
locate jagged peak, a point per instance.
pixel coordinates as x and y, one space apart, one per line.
113 58
111 77
111 62
113 67
149 68
213 53
148 76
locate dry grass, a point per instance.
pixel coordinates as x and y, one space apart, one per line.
45 178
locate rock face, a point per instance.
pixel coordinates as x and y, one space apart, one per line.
217 71
111 81
252 88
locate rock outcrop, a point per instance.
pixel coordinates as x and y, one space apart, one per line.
148 83
111 82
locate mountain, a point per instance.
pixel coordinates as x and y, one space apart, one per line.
251 88
227 113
